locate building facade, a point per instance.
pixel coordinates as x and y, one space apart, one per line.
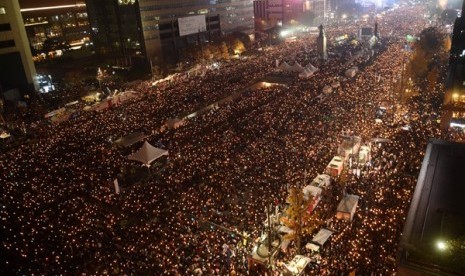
454 98
149 28
51 26
270 13
17 71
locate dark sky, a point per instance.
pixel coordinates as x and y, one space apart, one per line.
42 3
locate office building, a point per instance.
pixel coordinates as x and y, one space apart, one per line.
271 13
17 71
51 26
454 98
150 28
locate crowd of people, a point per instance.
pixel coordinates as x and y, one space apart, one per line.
60 214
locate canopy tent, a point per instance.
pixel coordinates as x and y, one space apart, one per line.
294 68
147 154
311 67
284 66
319 239
297 265
322 236
306 73
297 68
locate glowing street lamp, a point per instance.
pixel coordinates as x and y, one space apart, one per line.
441 245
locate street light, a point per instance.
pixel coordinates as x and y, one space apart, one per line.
441 245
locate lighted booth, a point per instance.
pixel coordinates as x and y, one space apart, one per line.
347 207
319 239
322 181
297 266
349 146
335 167
364 154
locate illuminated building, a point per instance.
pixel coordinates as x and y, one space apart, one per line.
454 98
337 5
17 71
270 13
51 26
149 28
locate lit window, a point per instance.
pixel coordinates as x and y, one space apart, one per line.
126 2
2 10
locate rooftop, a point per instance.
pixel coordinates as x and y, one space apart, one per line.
433 235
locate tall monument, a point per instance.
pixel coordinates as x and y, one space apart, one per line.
454 97
376 30
321 44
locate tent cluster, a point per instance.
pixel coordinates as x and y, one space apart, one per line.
304 72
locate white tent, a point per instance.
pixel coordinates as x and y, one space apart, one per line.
311 67
297 266
147 154
319 239
322 236
297 67
306 73
284 66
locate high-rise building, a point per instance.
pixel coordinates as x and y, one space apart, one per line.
17 71
270 13
320 9
150 28
51 26
336 5
454 98
116 27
